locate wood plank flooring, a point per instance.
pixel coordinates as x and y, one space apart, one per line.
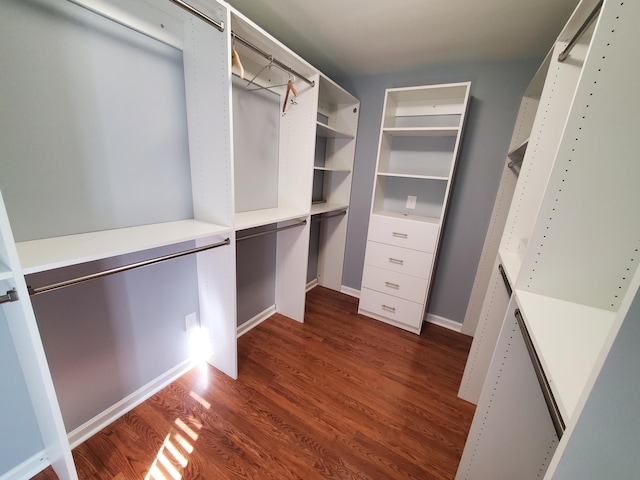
341 396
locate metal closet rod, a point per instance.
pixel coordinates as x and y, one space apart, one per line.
202 16
268 232
322 218
11 296
592 16
124 268
271 58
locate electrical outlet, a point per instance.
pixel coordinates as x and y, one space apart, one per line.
190 321
411 201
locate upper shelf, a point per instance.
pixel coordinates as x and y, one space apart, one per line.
517 153
568 339
56 252
326 207
421 131
323 130
329 169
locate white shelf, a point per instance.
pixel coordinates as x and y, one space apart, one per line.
518 152
325 207
403 216
57 252
323 130
568 339
337 170
267 216
421 131
406 175
511 263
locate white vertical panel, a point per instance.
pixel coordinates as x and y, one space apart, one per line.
292 252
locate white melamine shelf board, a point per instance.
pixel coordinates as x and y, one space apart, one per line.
421 131
267 216
326 207
406 216
406 175
57 252
323 130
332 93
327 169
568 338
511 263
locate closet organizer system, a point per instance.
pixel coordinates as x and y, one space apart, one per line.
565 272
159 134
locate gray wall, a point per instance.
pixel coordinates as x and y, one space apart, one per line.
20 434
605 441
496 89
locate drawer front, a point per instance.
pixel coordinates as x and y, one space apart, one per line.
393 308
401 260
394 283
403 233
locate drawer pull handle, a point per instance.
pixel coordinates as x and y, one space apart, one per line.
396 261
399 235
392 285
388 308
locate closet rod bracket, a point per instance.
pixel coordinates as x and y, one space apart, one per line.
11 296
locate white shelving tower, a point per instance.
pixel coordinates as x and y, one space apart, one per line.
420 137
569 251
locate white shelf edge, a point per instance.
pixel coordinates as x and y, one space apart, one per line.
419 177
421 131
267 216
518 152
568 339
403 216
56 252
511 262
337 170
325 131
324 207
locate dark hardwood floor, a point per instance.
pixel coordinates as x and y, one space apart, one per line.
341 396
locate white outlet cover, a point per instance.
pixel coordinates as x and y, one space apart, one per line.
190 321
411 201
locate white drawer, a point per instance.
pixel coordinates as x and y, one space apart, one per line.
401 260
394 283
403 233
393 308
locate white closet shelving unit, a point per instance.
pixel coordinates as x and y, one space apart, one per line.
284 209
571 249
336 128
419 141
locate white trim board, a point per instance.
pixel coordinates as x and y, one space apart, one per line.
255 321
312 284
350 291
111 414
444 322
29 468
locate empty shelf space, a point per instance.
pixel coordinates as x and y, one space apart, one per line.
267 216
421 131
326 207
323 130
405 175
50 253
407 216
329 169
568 338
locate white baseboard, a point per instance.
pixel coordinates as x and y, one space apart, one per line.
311 284
29 468
350 291
255 321
444 322
111 414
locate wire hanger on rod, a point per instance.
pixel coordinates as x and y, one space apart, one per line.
257 86
290 89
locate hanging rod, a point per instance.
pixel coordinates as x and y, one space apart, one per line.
552 406
592 16
199 14
322 218
11 296
74 281
267 232
271 58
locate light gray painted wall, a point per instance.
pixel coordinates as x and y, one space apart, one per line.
496 90
20 437
106 338
605 441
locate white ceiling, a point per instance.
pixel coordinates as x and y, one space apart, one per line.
360 37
